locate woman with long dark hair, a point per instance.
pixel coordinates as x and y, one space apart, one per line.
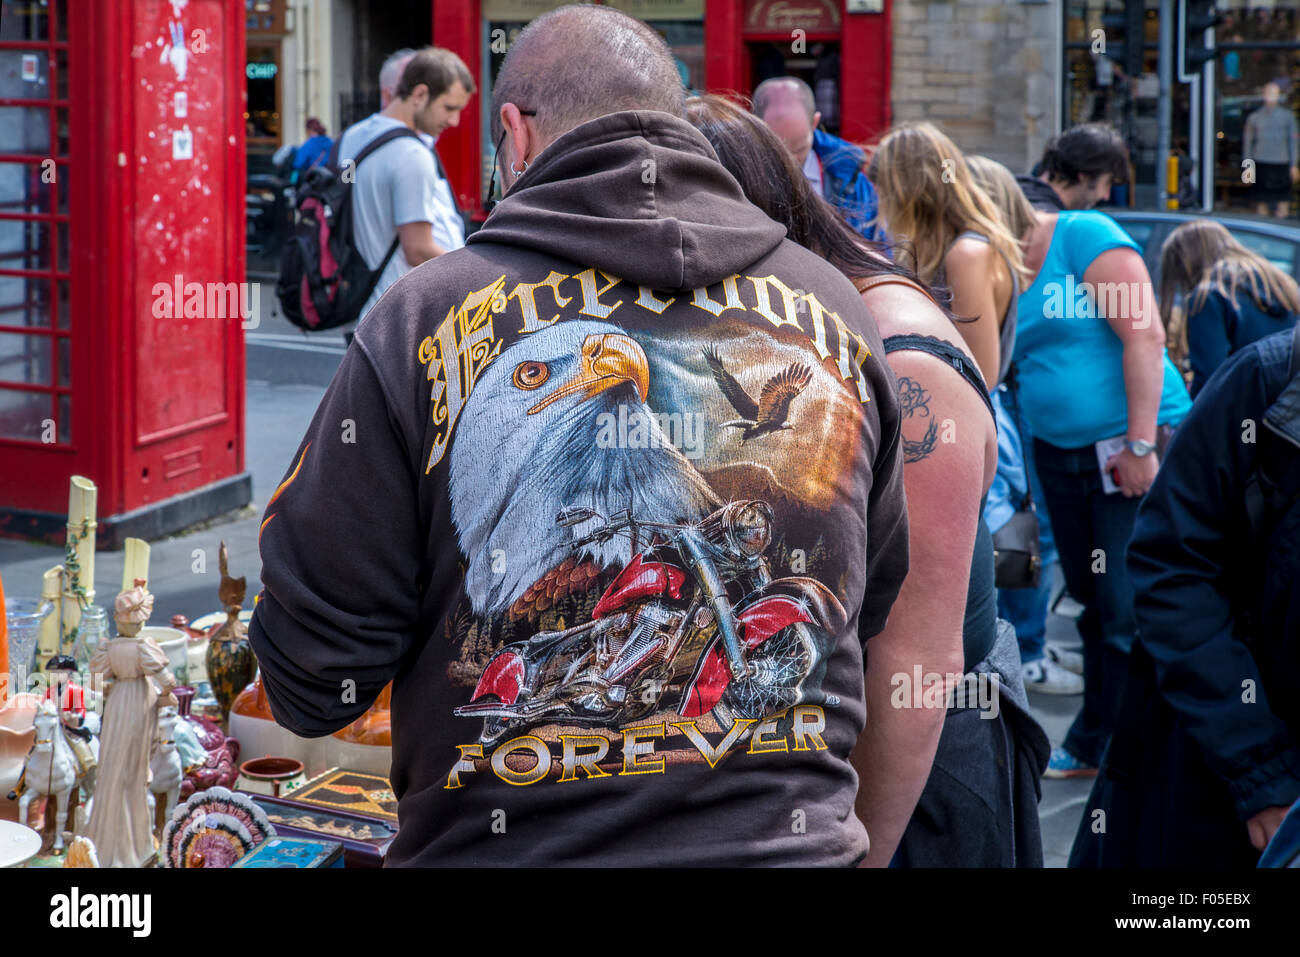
1231 296
944 621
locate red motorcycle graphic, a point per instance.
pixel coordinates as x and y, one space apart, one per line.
695 618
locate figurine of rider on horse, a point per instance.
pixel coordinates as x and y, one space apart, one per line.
79 727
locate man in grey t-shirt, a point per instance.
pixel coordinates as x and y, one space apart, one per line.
395 192
448 224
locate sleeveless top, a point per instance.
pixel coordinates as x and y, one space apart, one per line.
979 627
1007 335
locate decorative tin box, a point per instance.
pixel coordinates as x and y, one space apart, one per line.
293 852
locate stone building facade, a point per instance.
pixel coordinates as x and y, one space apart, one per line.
985 71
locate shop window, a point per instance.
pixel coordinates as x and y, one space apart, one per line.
685 39
262 72
1112 77
1241 76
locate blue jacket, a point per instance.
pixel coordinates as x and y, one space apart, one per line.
845 183
315 149
1193 756
1221 327
1010 485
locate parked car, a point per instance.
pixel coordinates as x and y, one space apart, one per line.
1278 241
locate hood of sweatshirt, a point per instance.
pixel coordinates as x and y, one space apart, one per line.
640 195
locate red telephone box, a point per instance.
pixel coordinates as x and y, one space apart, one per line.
122 286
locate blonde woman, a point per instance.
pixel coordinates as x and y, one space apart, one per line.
950 232
1000 186
1231 296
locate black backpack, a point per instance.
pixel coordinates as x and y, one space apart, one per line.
324 279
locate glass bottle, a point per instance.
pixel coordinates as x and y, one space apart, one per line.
92 630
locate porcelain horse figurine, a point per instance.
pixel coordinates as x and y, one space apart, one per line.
165 771
51 770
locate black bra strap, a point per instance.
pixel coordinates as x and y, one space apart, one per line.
942 349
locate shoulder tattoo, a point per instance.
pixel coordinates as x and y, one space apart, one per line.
914 406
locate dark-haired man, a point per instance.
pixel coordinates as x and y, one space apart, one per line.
617 634
396 191
1078 169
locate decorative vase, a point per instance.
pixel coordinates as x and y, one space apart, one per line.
230 661
231 666
24 617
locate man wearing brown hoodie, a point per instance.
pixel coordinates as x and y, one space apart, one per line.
612 496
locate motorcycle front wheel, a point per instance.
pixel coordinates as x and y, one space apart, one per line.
778 668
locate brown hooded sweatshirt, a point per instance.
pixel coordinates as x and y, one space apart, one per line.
614 497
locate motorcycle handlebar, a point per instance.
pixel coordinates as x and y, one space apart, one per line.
606 532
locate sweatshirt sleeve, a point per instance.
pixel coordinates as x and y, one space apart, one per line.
1186 546
342 560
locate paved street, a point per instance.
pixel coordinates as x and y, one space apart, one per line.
287 375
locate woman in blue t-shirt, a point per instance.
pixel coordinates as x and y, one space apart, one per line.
1231 296
1091 368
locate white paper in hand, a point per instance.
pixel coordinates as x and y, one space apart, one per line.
1105 449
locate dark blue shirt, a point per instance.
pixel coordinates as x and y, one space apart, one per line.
1221 327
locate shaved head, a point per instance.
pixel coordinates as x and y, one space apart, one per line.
578 63
783 92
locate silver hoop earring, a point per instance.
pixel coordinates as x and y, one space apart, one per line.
519 172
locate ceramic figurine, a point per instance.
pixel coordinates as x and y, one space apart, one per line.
165 774
231 663
51 771
217 761
81 853
77 728
214 828
119 824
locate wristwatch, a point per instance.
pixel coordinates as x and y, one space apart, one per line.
1139 447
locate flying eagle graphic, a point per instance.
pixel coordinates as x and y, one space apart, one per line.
769 413
529 443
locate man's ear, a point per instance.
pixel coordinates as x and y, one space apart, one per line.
519 141
817 120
